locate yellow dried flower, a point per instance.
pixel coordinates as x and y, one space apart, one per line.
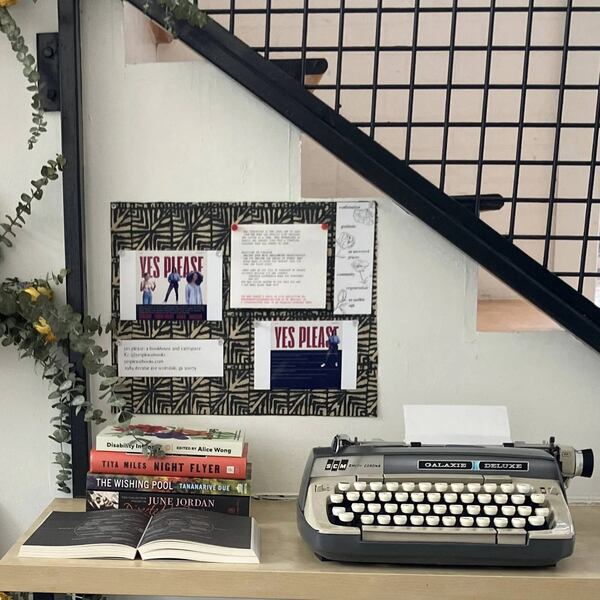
7 3
33 292
43 327
36 292
45 291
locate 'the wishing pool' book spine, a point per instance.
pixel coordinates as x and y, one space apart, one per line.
153 503
219 467
174 485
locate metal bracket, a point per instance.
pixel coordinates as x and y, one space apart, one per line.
293 66
48 64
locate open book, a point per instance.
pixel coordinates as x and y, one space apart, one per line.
173 533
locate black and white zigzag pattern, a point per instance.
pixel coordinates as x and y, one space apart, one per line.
206 226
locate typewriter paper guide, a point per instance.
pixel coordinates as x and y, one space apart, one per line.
456 424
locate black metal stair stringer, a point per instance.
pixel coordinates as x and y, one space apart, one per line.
392 176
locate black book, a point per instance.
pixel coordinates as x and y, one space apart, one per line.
189 534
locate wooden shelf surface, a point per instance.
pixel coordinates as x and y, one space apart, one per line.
289 570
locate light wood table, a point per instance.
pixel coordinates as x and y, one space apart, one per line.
289 570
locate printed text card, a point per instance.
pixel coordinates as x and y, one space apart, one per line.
278 266
170 358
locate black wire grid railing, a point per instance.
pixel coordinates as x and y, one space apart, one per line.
496 96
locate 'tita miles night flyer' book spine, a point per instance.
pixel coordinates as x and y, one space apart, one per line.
173 485
219 467
172 439
150 503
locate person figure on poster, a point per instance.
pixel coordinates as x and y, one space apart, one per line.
147 286
333 351
173 278
193 293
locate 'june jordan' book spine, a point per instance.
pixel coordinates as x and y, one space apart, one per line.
218 467
172 485
153 503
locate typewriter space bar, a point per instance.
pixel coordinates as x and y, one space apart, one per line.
373 533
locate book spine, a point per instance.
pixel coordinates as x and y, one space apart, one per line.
187 447
150 504
168 485
182 466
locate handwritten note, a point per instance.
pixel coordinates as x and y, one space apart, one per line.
170 358
278 266
354 258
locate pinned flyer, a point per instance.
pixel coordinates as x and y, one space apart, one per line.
278 266
171 285
305 355
354 258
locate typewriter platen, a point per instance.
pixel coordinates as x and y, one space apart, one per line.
445 505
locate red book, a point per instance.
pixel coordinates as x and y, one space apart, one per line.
217 467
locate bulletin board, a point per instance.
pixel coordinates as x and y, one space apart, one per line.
207 226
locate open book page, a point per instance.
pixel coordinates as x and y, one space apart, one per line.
74 534
199 527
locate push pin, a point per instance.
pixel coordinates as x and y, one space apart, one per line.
325 226
234 227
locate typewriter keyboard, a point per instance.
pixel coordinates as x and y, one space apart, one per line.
441 505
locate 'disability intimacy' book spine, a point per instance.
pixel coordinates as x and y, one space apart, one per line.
173 485
218 467
173 441
153 503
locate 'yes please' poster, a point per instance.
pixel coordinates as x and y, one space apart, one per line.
305 355
170 285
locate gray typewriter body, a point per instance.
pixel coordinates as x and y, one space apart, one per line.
445 505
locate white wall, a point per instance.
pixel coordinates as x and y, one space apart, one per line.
217 142
185 132
24 407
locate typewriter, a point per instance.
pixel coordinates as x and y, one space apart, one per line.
444 505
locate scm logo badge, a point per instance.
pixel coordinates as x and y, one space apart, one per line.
336 464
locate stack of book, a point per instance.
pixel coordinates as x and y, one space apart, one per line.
202 468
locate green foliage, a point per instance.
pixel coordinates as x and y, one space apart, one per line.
10 29
31 321
42 330
180 10
49 172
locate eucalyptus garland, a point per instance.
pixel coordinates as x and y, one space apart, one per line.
30 319
50 172
180 10
41 330
10 29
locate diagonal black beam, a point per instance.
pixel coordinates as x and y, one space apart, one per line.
393 177
69 50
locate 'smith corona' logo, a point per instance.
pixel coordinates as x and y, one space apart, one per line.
472 465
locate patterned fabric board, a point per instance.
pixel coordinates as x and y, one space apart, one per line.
206 226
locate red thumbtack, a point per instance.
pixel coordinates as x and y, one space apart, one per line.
234 227
325 226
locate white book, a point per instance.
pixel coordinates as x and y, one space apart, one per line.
193 439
